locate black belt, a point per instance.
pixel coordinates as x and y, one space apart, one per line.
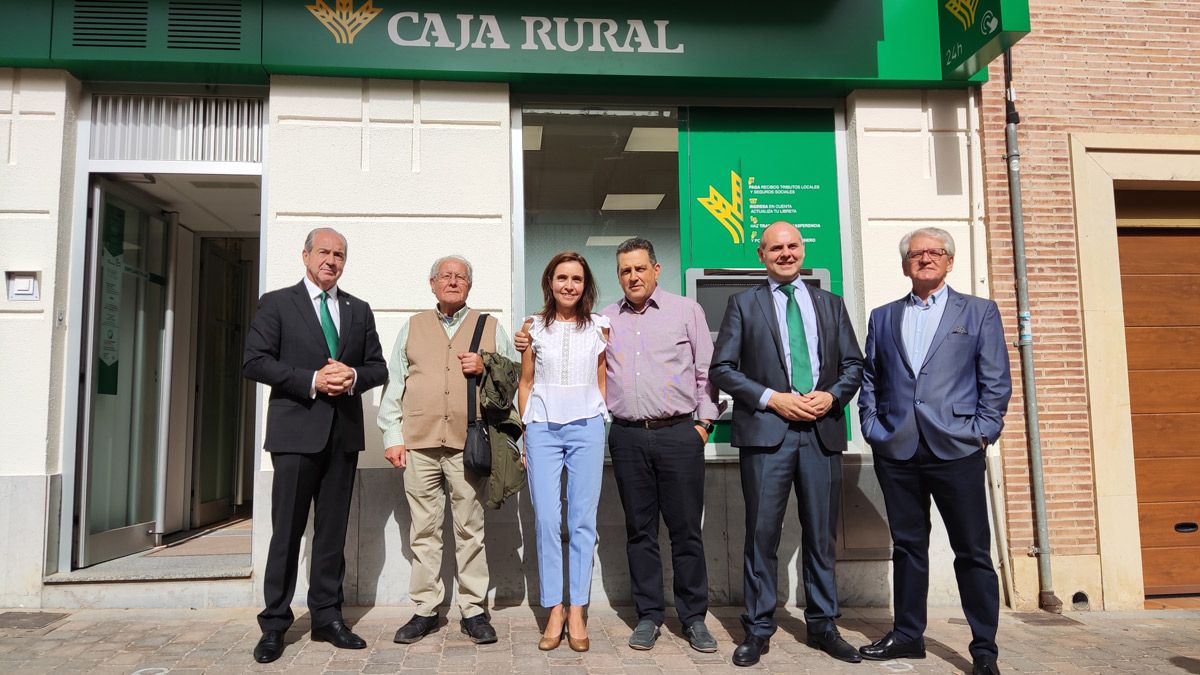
653 424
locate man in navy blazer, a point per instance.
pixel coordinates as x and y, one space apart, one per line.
315 345
935 389
787 354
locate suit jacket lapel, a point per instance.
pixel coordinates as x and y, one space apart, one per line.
896 319
347 320
308 315
955 303
825 338
767 305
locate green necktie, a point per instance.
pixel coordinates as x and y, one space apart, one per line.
802 377
331 336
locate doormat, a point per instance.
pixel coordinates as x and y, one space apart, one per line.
1045 619
27 620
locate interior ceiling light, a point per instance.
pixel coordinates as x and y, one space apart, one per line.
607 240
664 113
531 138
653 139
631 202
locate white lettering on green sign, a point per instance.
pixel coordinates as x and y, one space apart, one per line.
542 33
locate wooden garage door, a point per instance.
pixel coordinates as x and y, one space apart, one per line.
1160 284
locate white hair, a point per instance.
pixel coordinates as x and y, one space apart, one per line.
433 271
933 232
308 241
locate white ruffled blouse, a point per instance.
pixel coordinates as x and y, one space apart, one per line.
565 388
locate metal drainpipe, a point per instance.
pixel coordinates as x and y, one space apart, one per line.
1046 598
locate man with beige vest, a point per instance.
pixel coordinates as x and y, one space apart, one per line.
423 416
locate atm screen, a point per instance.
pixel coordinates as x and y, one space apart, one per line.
713 295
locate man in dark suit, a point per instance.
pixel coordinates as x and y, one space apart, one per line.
936 386
787 354
316 347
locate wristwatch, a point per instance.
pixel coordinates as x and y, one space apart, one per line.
706 426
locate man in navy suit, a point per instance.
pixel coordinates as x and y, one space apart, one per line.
935 389
315 345
788 356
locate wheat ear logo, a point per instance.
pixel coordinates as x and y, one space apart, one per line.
964 11
728 212
344 21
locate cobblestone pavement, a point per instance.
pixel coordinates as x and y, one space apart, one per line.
220 641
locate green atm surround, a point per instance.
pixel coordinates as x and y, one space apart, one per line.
741 169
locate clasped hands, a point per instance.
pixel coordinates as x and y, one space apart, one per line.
335 378
800 407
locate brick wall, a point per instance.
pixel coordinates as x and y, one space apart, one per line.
1096 66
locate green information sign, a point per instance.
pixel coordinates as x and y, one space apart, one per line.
973 32
108 345
745 169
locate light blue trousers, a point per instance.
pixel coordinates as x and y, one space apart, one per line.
578 446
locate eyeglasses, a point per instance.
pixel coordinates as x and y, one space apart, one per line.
447 277
934 254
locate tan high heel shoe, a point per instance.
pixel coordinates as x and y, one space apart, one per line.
547 644
577 644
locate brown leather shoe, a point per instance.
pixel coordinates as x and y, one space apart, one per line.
548 644
578 644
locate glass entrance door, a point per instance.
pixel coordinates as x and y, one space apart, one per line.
123 449
219 411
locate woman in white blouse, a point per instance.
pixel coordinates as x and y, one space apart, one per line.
561 397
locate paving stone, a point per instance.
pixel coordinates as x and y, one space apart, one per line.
220 641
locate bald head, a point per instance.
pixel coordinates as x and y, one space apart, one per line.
781 250
773 232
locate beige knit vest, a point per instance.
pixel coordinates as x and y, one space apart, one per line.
434 403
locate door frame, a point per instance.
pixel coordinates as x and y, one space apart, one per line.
65 531
1098 163
95 548
198 512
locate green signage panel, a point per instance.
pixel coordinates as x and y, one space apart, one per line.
745 169
834 39
828 46
112 262
25 33
973 32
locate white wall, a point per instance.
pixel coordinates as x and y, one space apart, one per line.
37 134
408 172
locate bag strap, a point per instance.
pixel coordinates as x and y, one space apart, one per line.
473 381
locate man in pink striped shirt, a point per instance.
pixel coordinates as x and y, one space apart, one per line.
663 407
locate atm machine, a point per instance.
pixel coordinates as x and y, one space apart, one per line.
739 171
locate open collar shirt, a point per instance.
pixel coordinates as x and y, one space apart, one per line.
919 322
658 358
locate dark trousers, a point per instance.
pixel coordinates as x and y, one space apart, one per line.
959 489
325 478
768 476
661 471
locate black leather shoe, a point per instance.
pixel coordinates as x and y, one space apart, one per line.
416 628
479 629
337 634
890 646
750 650
985 665
269 647
832 643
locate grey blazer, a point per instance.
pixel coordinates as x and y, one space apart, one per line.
748 359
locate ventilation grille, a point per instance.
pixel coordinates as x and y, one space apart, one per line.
177 128
111 23
204 24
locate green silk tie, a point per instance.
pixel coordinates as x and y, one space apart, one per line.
331 336
802 376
